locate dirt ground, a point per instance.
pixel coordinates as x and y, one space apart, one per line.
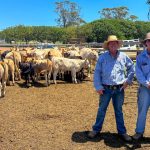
58 118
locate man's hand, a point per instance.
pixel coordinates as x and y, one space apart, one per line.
100 92
149 86
125 84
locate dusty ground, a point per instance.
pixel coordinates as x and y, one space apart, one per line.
58 117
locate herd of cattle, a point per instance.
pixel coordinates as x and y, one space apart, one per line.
30 63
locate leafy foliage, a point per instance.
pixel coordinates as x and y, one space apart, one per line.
117 13
148 2
68 14
96 31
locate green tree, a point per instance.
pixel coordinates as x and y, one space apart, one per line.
23 33
106 13
68 14
120 12
133 17
116 13
142 28
148 2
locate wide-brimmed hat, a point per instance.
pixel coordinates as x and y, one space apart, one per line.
111 38
147 37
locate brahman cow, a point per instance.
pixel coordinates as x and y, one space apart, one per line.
64 64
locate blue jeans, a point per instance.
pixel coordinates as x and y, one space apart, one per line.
143 105
117 99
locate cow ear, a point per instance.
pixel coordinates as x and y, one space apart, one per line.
49 53
87 61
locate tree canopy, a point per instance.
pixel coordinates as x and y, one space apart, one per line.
148 15
96 31
68 14
117 13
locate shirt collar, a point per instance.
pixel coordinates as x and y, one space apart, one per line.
116 55
145 53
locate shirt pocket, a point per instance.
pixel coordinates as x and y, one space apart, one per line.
104 64
119 68
145 69
106 68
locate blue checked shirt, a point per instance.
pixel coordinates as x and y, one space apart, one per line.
143 68
111 70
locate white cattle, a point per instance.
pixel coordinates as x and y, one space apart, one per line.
74 48
91 55
72 54
65 64
87 53
39 53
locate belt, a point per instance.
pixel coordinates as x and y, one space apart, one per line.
113 87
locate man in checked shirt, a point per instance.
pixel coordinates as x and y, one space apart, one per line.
114 71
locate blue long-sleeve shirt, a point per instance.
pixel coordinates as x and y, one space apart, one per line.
111 70
143 68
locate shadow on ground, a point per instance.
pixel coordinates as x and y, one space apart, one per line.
111 140
36 84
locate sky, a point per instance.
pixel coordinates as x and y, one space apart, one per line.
42 12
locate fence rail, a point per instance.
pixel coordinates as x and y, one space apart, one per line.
37 44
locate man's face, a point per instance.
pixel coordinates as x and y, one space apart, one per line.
113 46
148 43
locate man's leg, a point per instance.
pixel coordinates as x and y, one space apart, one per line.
143 105
118 99
103 104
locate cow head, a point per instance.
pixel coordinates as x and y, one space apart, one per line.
86 63
94 55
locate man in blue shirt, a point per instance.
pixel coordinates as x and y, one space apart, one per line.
114 71
143 76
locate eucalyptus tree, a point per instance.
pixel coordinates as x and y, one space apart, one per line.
106 13
114 13
120 12
68 14
148 2
133 17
